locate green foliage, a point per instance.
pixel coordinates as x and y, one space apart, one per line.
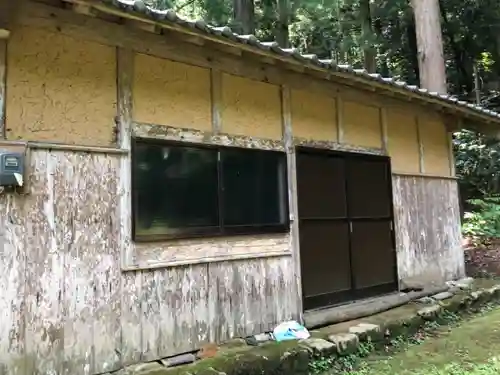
365 348
484 222
321 364
477 161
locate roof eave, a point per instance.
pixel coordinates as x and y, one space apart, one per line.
483 119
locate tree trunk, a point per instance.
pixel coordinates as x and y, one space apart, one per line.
244 16
384 66
281 32
430 45
412 46
369 53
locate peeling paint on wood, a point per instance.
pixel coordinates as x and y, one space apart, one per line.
45 269
195 136
3 78
287 131
130 349
216 99
205 250
12 283
73 271
260 306
73 310
335 146
427 224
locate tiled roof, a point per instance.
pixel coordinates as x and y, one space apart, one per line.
138 7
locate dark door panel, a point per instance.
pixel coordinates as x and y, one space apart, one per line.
367 184
325 261
321 183
347 246
373 253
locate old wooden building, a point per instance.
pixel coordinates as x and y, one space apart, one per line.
186 185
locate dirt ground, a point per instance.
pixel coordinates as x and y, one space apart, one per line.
473 348
483 261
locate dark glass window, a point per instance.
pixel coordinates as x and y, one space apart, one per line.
253 185
183 191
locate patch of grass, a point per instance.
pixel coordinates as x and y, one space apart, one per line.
470 348
370 357
492 367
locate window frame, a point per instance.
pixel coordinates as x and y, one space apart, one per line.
220 230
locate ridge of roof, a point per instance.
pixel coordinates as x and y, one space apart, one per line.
170 16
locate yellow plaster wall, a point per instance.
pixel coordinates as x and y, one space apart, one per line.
361 125
60 89
402 141
250 108
314 116
171 93
435 145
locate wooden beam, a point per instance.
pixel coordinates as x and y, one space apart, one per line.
420 145
340 118
286 118
3 85
125 74
216 99
383 128
451 155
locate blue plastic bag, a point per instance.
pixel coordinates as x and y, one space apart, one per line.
290 331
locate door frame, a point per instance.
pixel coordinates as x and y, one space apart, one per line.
352 294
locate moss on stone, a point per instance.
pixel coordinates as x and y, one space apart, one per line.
271 359
293 358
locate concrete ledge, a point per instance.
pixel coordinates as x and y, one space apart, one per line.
296 357
356 310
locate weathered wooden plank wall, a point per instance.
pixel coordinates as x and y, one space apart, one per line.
69 309
427 223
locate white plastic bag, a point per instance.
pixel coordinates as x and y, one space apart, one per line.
290 331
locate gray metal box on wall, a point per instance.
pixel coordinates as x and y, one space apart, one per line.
11 168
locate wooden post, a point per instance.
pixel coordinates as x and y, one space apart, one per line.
383 129
421 150
125 73
131 334
340 118
3 79
216 99
430 45
292 194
